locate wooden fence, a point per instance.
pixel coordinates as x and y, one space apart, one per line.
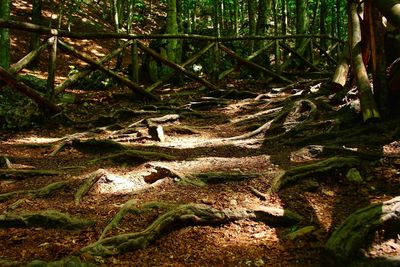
217 45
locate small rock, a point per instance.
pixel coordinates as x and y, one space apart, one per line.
157 133
354 176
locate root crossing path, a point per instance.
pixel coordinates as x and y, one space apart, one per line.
234 177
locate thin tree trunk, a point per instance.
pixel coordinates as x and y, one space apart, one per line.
368 105
5 35
301 23
252 21
322 21
236 17
36 19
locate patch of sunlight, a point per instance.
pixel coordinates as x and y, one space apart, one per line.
33 140
391 149
114 183
323 211
97 53
259 164
205 140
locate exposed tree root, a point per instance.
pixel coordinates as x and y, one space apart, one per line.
344 246
222 177
258 194
87 184
323 166
46 219
127 207
41 192
23 173
265 126
294 121
314 151
187 214
134 157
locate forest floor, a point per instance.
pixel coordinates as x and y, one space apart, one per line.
196 146
117 181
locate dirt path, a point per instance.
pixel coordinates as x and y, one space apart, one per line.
116 159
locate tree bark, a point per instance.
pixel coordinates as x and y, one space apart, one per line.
367 101
5 35
36 19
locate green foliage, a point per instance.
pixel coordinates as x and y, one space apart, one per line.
96 80
17 111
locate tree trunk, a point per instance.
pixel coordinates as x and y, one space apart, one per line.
35 38
322 20
5 35
172 28
236 17
252 21
368 105
301 22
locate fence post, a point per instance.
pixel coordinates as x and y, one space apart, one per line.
216 62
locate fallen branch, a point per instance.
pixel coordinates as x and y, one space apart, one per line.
184 214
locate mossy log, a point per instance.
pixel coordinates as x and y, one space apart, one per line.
133 157
46 219
23 173
355 233
296 173
41 192
87 184
183 215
